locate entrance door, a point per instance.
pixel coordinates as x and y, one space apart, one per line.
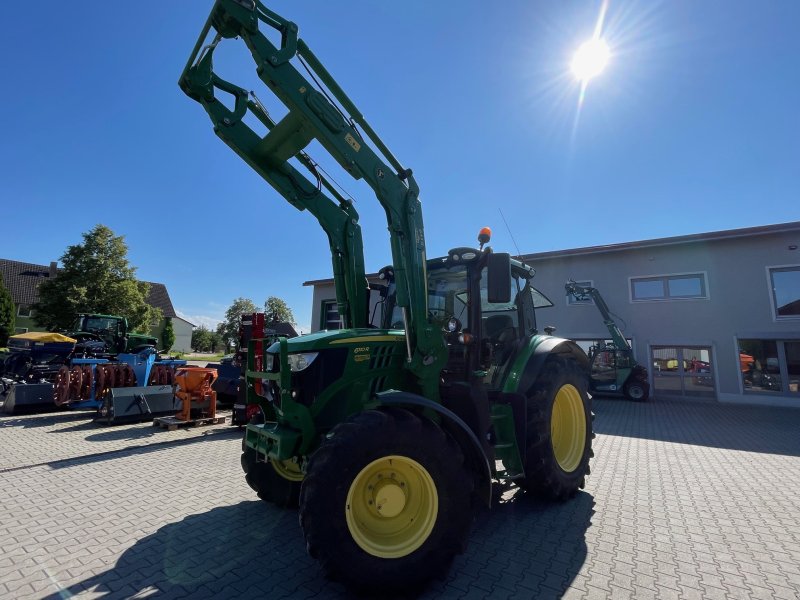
684 371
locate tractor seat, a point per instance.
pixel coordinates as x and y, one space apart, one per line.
499 328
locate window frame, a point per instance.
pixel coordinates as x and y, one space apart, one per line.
664 278
19 311
324 314
773 303
18 330
783 367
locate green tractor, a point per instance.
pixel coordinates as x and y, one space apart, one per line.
388 437
111 331
614 369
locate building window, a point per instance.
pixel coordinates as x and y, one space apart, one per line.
686 371
330 315
573 301
24 310
785 283
770 365
20 330
669 287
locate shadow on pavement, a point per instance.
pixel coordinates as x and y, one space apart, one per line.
524 546
252 549
147 447
46 420
226 551
766 429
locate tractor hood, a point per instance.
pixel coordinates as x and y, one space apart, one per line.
339 338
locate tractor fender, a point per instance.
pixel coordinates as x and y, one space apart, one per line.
529 364
457 428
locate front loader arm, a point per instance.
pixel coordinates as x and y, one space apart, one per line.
339 218
312 115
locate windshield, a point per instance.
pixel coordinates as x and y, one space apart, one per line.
102 325
447 297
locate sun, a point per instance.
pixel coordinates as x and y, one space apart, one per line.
590 59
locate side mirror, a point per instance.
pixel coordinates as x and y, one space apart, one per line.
498 279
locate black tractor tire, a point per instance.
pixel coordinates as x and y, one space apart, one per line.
265 481
557 453
636 391
371 532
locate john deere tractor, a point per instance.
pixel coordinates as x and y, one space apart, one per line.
388 437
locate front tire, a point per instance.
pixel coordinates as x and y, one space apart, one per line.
386 502
277 484
636 391
559 432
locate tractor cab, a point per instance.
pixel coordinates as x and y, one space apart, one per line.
109 330
609 365
484 304
101 334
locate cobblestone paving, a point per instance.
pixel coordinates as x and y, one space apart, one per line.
48 438
684 501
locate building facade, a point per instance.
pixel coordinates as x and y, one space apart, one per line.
713 316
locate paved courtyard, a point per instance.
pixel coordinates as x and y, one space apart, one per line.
684 501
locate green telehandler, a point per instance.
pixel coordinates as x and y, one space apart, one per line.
614 369
388 438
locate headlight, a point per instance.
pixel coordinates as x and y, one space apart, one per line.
299 362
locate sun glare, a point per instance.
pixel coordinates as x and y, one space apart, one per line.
590 59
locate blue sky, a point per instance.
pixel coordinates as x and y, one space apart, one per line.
692 127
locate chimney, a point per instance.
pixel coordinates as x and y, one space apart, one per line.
53 270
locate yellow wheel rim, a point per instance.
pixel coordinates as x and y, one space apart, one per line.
391 507
568 428
287 469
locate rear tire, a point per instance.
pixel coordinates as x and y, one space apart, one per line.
559 432
265 480
386 502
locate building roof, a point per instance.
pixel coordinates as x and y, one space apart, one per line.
22 281
159 298
726 234
793 226
371 277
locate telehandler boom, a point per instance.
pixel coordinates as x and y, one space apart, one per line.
614 370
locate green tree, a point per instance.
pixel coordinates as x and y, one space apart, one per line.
7 314
229 328
168 335
217 343
201 339
95 278
277 311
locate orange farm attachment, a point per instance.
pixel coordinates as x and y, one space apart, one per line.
196 398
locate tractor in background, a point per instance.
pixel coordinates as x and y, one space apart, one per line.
386 438
108 334
614 369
